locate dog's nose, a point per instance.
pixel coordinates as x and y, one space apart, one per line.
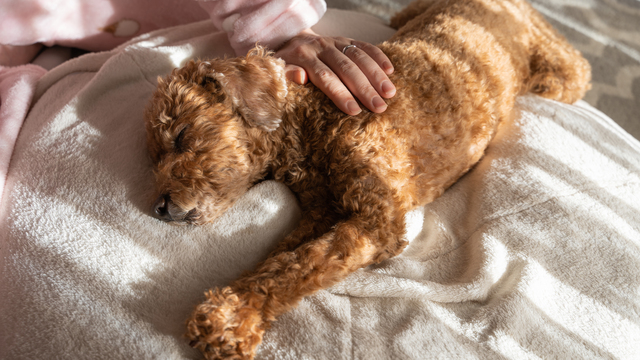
161 208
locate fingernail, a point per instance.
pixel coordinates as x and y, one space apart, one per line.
302 77
353 107
387 67
378 103
388 88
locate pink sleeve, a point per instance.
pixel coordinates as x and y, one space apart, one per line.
269 22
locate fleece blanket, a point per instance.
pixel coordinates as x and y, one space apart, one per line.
17 85
535 253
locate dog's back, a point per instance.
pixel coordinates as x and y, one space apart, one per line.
549 66
459 66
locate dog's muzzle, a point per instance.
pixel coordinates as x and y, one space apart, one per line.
164 209
161 208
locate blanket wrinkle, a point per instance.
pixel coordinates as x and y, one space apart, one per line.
516 210
141 73
17 86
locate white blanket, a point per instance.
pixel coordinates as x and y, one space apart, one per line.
533 254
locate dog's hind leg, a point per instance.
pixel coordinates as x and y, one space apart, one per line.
557 70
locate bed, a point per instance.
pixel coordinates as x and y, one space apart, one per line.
535 253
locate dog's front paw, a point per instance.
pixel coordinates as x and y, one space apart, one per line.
225 327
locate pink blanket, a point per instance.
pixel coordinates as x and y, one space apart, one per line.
17 85
535 253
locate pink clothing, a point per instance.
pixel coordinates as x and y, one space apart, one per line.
268 22
103 24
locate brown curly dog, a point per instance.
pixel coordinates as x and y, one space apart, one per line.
217 127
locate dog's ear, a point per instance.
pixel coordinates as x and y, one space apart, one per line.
258 88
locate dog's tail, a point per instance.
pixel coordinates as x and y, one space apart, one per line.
557 70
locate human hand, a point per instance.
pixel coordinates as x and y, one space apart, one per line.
361 70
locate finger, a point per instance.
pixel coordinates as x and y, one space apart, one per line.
305 56
376 54
354 78
369 59
296 74
330 84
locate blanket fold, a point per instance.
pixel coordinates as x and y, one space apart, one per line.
17 86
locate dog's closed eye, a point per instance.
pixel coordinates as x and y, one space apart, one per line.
208 80
178 142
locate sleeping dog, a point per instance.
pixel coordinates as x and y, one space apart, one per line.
217 127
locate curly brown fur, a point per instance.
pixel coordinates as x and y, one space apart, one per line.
217 127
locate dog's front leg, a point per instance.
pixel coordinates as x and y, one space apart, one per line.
232 320
316 202
314 223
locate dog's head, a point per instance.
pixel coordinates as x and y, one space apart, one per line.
197 132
